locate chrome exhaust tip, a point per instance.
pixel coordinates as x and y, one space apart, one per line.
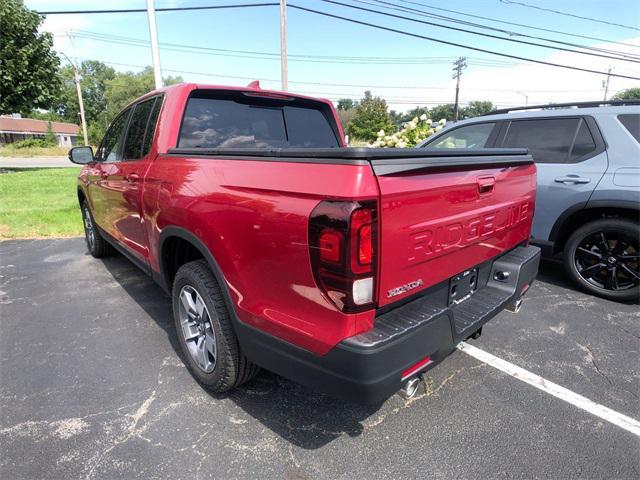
515 306
410 387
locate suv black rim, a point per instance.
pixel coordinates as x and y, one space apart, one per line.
609 260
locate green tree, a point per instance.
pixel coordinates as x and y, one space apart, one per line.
49 137
371 117
345 117
93 78
346 104
413 113
28 64
476 108
127 86
628 94
442 111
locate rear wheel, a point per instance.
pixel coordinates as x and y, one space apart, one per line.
98 247
602 257
209 344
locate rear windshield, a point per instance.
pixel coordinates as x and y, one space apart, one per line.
235 120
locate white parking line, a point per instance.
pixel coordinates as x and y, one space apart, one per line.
605 413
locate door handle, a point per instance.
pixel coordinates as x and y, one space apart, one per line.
132 178
572 179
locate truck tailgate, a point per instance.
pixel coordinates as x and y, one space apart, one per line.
440 216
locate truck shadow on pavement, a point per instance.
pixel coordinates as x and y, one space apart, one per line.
302 416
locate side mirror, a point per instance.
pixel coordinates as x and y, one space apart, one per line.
81 155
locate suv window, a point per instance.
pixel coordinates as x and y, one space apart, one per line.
110 149
549 140
137 128
583 144
468 136
236 123
631 122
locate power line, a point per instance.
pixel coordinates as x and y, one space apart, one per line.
567 14
166 9
394 6
445 42
505 22
295 57
349 85
488 35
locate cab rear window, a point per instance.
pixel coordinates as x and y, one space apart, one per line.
236 120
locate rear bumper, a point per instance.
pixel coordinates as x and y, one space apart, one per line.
369 367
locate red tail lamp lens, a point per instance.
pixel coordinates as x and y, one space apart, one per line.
330 245
342 249
362 241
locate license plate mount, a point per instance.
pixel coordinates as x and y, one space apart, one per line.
462 286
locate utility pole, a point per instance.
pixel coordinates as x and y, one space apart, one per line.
76 79
284 69
605 84
155 53
459 65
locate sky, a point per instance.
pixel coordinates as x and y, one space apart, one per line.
335 59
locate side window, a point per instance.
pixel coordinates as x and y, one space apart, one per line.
137 128
151 125
110 149
631 122
469 136
583 144
548 140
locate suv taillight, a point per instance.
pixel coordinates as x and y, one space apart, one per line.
342 246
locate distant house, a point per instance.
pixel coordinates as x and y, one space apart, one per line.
14 129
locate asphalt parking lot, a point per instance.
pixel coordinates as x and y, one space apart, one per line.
91 386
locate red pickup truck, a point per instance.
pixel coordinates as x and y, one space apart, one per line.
350 270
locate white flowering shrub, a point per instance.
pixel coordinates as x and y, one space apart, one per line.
412 133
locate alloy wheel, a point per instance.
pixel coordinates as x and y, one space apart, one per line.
609 260
196 329
89 231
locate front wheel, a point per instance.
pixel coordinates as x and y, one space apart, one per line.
98 247
602 258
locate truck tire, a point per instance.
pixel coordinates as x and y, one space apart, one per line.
98 247
205 332
601 257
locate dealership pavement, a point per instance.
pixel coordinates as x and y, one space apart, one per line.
91 386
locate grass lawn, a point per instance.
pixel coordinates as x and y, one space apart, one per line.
10 151
39 203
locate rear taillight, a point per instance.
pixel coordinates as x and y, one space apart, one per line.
342 246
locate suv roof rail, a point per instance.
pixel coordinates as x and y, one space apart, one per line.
550 106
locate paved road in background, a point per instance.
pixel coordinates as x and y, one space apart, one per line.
91 386
35 162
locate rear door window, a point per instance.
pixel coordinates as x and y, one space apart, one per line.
137 129
583 143
468 136
549 140
111 148
254 123
631 122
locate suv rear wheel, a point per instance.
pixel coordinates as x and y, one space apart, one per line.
602 257
209 344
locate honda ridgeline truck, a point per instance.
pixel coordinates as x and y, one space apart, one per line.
349 270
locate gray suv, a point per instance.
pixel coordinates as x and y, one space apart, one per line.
588 200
